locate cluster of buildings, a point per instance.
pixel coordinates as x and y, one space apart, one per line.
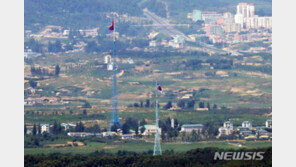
246 18
47 128
108 61
177 42
218 26
52 31
247 130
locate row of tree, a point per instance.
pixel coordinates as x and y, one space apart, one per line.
202 157
44 71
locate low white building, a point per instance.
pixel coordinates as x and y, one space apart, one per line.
247 124
149 129
225 131
228 124
152 43
227 128
110 66
268 123
67 126
105 134
45 128
107 59
78 134
190 127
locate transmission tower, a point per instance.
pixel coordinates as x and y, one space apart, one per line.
114 114
157 147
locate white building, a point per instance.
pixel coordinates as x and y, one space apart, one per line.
227 128
110 66
78 134
150 129
247 124
190 127
107 59
225 131
152 43
172 123
45 128
246 18
268 123
67 126
228 124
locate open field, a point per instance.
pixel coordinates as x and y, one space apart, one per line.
143 147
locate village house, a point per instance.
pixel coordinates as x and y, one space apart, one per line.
227 129
127 136
190 127
246 133
149 129
261 133
78 134
202 109
268 123
45 128
105 134
247 124
67 126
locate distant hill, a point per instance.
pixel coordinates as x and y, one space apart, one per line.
90 13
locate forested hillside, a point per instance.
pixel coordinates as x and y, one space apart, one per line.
90 13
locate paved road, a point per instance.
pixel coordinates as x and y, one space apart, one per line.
168 29
163 25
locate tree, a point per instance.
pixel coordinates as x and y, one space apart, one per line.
25 128
55 128
181 104
57 70
34 129
96 128
201 105
86 105
91 46
114 128
79 127
215 107
125 128
137 130
141 103
34 45
147 103
190 104
85 112
55 47
32 83
168 105
136 105
143 122
208 106
194 136
142 129
39 129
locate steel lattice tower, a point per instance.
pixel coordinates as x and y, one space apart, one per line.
114 114
157 147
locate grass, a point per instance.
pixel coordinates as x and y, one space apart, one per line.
143 147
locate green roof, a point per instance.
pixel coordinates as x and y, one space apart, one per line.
191 125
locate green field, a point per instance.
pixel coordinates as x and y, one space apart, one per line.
144 147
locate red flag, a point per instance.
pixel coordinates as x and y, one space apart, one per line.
159 88
111 27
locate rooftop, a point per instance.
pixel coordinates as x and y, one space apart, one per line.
191 125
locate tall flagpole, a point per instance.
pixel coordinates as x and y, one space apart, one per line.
114 113
157 147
